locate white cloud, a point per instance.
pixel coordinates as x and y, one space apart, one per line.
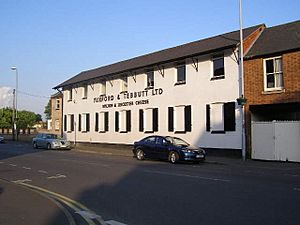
6 97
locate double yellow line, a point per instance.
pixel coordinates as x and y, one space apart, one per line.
88 215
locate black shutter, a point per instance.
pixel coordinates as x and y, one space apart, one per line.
141 120
207 117
97 122
188 118
106 121
155 119
117 121
65 122
79 122
128 120
229 116
87 122
170 119
72 122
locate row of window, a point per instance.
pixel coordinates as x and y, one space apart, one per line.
218 72
220 118
273 76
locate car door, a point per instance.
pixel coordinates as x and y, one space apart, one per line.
162 148
149 147
38 140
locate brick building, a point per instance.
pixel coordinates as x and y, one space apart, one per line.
272 77
56 114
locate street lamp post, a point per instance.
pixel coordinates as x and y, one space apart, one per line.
16 102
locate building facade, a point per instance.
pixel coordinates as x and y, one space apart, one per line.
272 78
188 91
55 123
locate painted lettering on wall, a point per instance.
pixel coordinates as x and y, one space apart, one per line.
109 99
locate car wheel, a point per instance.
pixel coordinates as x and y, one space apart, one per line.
49 146
173 157
140 154
35 145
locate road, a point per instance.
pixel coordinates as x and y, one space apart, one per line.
111 189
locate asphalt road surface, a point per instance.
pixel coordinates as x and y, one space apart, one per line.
111 189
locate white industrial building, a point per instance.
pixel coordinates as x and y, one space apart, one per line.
189 91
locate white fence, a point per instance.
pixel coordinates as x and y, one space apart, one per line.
277 140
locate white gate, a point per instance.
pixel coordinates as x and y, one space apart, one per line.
277 140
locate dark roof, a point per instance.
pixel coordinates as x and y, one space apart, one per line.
57 95
181 52
277 39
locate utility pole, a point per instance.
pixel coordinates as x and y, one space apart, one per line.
14 116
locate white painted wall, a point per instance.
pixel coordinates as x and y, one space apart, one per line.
198 91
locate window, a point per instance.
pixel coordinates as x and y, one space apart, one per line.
123 121
85 122
117 122
79 122
170 119
182 119
141 120
124 84
218 66
57 104
273 78
150 79
103 88
103 121
85 91
65 123
69 123
181 74
220 117
70 94
151 120
96 122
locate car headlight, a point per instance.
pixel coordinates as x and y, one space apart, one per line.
186 151
55 143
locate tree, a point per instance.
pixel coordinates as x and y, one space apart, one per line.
6 117
26 119
38 118
47 110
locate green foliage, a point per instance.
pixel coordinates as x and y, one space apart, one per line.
38 118
6 117
26 119
47 110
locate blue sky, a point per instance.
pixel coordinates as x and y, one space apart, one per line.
51 41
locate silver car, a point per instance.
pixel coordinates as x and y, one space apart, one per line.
50 141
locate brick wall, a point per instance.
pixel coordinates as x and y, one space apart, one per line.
254 86
56 114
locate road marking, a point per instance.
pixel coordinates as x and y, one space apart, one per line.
296 189
12 164
26 168
21 181
42 171
186 175
88 214
1 162
57 176
76 206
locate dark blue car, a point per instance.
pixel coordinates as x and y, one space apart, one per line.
168 148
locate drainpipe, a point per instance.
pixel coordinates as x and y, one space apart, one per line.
241 73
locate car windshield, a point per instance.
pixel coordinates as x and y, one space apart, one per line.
177 141
51 136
